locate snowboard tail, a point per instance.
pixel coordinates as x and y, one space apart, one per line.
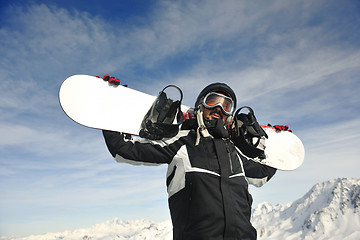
95 103
283 150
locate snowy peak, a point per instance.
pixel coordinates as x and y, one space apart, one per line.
267 208
339 193
329 202
326 202
326 211
330 210
115 229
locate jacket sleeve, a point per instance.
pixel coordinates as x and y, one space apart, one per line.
256 173
145 152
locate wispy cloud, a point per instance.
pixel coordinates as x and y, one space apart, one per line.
295 62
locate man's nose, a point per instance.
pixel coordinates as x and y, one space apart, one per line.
218 108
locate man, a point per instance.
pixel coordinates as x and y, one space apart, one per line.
207 177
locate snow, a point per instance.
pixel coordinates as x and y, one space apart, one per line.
112 230
330 210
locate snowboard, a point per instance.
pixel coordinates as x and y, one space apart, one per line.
95 103
283 149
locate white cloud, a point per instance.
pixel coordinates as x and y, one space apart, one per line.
284 58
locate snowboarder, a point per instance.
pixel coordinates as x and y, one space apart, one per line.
207 178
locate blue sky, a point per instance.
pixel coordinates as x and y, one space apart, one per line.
295 62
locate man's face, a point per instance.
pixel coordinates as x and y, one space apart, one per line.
214 113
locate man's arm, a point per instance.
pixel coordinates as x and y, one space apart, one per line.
146 152
256 173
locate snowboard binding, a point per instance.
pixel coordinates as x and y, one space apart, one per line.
247 134
158 122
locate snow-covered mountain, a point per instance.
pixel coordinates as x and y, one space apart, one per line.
330 210
112 230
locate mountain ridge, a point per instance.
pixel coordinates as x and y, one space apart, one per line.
329 210
326 210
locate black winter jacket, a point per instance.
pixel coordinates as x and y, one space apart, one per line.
207 184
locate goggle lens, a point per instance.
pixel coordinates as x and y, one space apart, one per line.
215 99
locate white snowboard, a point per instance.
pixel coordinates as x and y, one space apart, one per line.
94 103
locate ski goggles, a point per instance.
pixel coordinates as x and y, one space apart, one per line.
213 100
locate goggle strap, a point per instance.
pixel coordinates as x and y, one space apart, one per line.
201 125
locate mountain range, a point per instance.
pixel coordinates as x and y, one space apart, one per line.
329 210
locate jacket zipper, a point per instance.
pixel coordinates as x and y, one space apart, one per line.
229 156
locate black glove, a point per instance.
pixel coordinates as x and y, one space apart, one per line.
279 128
247 134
